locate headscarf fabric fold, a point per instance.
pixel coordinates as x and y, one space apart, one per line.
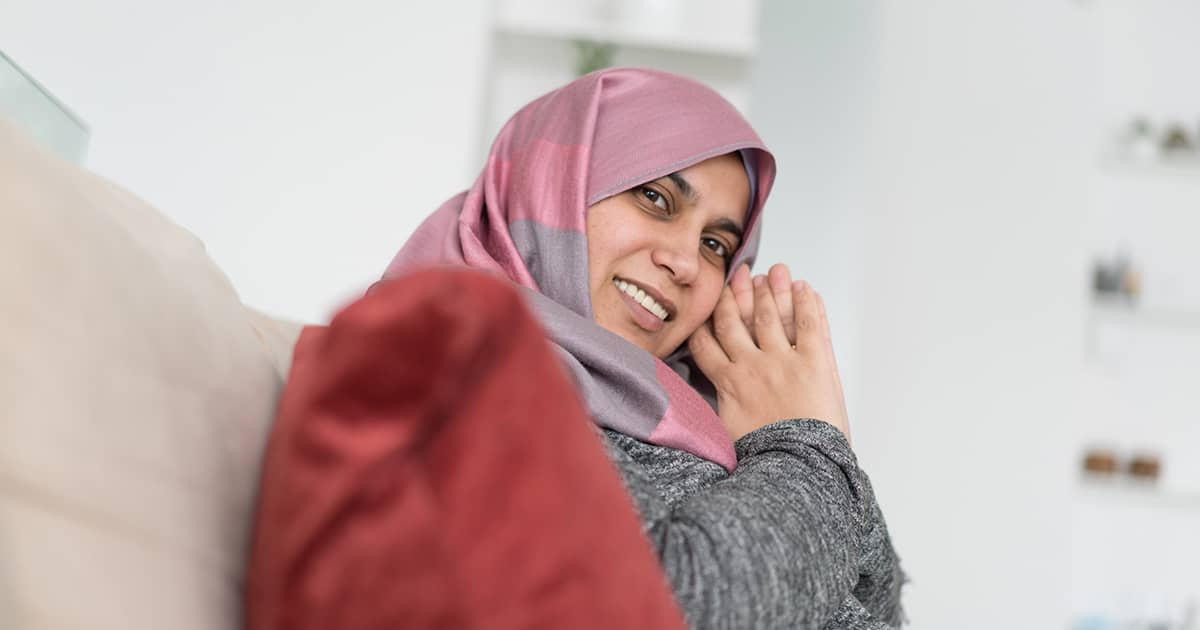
525 219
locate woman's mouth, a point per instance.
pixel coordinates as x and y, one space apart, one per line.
648 312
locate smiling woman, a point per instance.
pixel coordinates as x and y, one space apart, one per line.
625 205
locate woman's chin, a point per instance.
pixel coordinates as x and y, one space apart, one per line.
654 344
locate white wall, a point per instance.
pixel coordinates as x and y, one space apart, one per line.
974 296
302 140
954 247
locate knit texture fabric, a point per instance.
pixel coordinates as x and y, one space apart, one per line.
792 538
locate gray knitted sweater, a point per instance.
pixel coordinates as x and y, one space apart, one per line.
792 538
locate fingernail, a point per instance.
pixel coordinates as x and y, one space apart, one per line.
801 286
759 280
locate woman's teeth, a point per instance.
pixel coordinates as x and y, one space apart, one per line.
640 297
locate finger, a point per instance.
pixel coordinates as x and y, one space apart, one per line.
728 328
743 294
707 351
768 328
757 279
824 344
823 318
781 285
807 317
824 326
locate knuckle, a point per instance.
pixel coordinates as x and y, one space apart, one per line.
724 383
723 326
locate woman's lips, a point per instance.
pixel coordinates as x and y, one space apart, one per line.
644 318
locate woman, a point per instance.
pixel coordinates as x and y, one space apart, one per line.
624 203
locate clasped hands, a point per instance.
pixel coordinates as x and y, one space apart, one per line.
768 351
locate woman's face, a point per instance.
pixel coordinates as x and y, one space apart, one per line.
669 240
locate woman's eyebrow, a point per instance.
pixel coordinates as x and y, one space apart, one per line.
684 186
686 189
729 226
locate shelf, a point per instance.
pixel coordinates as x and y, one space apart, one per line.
653 37
1145 317
1133 493
1174 166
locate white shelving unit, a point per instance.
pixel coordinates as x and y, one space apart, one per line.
532 48
1134 542
1119 492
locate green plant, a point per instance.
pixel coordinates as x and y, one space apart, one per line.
592 55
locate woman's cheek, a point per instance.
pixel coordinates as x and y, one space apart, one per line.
712 295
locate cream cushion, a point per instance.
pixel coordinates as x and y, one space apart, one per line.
136 393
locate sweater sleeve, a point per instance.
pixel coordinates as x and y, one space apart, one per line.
776 544
879 575
853 615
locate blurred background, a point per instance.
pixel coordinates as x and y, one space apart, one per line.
1000 200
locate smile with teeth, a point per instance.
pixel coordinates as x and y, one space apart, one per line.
641 297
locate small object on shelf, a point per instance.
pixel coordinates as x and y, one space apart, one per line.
1116 278
1131 283
1140 142
1176 143
1168 143
1105 279
1100 462
1145 467
1106 462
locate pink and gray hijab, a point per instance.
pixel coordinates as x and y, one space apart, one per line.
524 218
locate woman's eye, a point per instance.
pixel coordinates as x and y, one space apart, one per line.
717 247
655 197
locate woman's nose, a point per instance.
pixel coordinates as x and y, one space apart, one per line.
681 261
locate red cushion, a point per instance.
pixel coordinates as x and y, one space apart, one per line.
431 466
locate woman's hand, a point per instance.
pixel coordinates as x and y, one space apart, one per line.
759 376
780 281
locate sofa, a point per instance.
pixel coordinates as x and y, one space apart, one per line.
136 394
